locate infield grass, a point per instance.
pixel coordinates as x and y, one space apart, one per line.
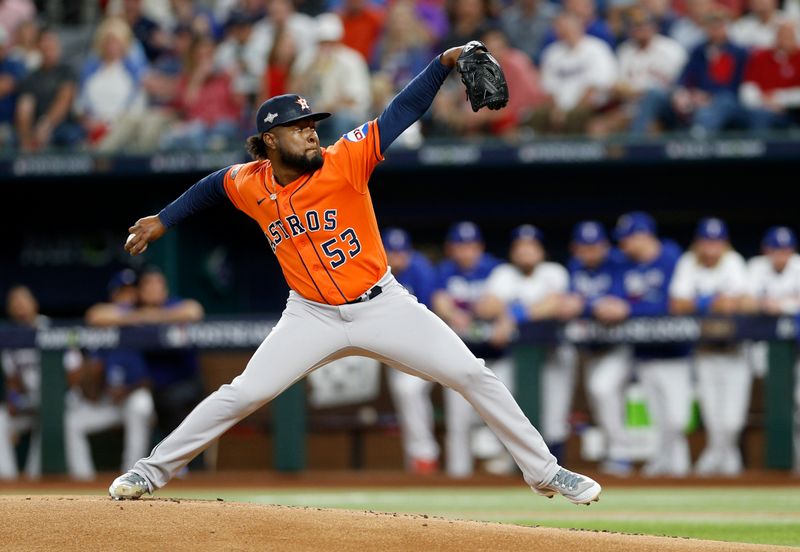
753 515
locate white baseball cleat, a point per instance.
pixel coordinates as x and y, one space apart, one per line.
577 488
128 486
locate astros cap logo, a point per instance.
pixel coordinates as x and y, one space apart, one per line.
303 103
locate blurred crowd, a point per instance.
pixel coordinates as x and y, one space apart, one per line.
611 277
144 75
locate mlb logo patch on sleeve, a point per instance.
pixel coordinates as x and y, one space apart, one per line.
235 171
357 134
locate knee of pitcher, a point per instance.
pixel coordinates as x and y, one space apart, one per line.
471 375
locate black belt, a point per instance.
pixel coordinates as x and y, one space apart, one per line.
371 293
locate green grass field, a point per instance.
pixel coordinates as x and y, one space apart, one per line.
754 515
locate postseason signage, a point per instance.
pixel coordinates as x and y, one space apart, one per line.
248 334
431 154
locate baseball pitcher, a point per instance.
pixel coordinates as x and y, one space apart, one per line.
313 205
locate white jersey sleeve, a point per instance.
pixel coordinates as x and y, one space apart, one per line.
503 283
558 278
734 280
8 364
682 284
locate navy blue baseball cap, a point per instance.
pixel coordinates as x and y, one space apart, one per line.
527 231
711 229
396 240
280 110
634 222
779 237
125 277
589 232
463 232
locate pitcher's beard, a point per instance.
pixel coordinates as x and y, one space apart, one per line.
301 162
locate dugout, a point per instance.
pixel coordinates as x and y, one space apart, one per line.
68 215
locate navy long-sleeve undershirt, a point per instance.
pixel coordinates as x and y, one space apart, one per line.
411 103
408 106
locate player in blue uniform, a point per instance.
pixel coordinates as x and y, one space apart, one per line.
662 369
597 291
411 395
462 280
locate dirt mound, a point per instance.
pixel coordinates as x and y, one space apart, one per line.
97 523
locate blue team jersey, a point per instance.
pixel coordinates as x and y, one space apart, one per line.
646 288
465 286
123 367
419 278
601 281
170 367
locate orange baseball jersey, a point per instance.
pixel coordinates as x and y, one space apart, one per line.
322 226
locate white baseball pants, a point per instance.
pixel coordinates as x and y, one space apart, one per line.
83 418
10 427
412 402
667 384
392 328
461 418
723 385
607 373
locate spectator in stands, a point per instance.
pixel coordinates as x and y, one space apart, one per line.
151 37
337 81
771 87
160 82
301 27
432 13
402 52
461 284
592 25
11 74
231 55
141 132
524 89
663 369
578 72
44 105
198 17
410 394
14 13
281 60
526 23
111 83
26 46
467 19
706 98
757 29
596 291
530 288
690 29
108 389
363 24
210 110
649 63
405 48
709 86
662 13
22 372
773 282
710 279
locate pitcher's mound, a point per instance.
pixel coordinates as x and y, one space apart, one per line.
79 523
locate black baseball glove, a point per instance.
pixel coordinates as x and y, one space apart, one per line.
483 77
